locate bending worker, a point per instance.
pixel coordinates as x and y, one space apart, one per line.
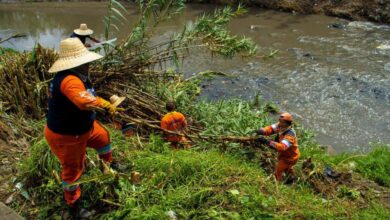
71 124
285 143
83 33
176 122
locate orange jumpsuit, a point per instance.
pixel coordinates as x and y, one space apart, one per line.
176 122
71 149
287 147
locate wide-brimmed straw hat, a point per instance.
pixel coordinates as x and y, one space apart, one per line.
83 30
73 53
116 100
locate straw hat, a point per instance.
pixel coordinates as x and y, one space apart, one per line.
83 30
73 53
116 100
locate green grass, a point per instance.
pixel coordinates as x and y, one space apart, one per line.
376 165
210 181
195 184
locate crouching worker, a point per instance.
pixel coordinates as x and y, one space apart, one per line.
175 122
71 124
285 143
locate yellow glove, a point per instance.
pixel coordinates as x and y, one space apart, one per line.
106 105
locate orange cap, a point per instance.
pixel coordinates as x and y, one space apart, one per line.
286 117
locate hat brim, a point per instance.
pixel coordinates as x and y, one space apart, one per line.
69 63
118 101
83 32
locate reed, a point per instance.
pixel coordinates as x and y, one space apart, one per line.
25 81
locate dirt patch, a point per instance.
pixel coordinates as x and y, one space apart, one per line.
331 183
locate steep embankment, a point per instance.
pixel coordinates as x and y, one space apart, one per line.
212 181
372 10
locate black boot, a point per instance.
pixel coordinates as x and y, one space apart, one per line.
291 179
118 167
76 212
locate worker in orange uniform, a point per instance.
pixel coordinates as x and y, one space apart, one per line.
176 122
71 124
285 143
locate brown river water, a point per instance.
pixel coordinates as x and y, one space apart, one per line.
335 80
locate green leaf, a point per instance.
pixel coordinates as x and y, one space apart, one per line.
116 27
119 13
120 5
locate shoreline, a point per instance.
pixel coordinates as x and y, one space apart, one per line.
359 10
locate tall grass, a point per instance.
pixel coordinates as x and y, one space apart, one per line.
206 182
195 184
376 165
25 78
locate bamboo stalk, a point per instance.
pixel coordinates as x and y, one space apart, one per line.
111 203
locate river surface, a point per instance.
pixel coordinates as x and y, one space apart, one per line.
336 81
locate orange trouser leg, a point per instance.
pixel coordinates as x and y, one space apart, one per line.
185 142
175 145
100 140
281 167
70 150
176 140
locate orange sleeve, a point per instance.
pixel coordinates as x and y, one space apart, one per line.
287 141
278 146
75 91
269 130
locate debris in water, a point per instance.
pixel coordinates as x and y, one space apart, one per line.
383 47
336 25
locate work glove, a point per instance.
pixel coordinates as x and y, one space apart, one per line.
262 140
258 132
106 105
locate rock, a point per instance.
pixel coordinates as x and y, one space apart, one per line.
254 27
8 214
329 149
336 26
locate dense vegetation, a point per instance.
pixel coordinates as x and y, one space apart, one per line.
210 180
215 179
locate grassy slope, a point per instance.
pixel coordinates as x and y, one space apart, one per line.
205 182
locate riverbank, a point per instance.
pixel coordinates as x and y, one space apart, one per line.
225 175
355 10
212 180
373 10
209 181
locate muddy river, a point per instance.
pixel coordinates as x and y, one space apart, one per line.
334 75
